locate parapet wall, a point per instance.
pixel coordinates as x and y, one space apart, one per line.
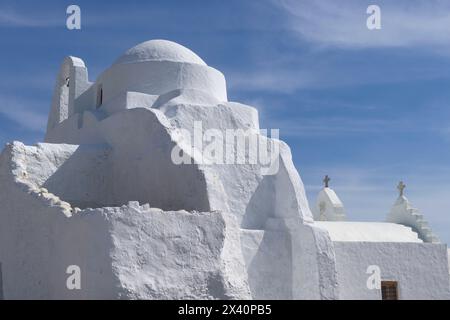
79 175
127 252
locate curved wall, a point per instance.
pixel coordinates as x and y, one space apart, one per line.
159 77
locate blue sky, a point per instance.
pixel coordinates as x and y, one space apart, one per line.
368 108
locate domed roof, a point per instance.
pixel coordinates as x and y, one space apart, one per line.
159 50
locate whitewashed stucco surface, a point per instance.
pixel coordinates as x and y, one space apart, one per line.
328 206
368 231
419 268
128 252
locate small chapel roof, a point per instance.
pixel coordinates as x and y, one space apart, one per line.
368 231
159 50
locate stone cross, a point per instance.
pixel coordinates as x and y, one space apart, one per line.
326 180
401 186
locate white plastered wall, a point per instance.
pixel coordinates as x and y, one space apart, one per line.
420 269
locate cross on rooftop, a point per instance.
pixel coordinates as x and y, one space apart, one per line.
401 186
326 180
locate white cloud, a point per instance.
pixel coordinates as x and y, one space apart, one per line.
274 80
13 18
325 69
405 23
332 126
22 113
413 28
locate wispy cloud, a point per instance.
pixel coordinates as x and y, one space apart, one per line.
12 18
334 69
42 81
275 80
333 126
23 114
405 23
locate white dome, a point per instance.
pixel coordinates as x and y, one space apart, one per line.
159 50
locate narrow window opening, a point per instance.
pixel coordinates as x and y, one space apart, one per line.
389 290
99 96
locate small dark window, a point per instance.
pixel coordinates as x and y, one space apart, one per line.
99 95
389 290
67 82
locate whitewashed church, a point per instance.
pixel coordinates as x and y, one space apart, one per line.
101 211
